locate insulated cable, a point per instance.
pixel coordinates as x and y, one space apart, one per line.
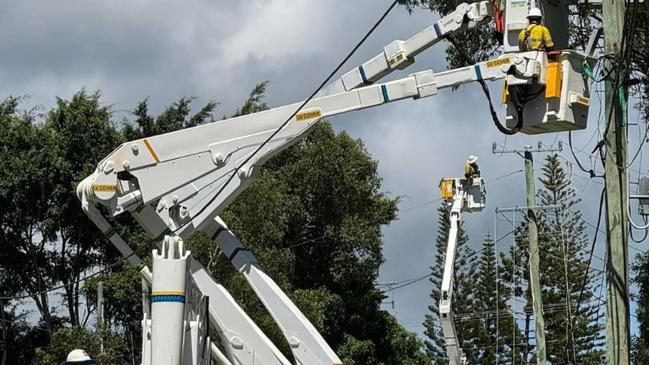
592 252
304 103
485 90
45 291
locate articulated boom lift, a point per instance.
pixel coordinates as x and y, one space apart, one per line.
176 184
461 195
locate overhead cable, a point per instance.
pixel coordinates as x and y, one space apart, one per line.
304 103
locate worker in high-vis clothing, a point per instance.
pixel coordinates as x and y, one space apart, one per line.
471 169
536 36
78 357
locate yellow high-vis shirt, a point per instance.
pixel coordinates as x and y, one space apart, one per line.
538 39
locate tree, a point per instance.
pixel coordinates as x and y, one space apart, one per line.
65 340
564 234
641 341
575 332
123 307
477 43
490 322
23 201
78 134
313 218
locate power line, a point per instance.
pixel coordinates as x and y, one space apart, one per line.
440 199
407 283
592 251
114 264
304 103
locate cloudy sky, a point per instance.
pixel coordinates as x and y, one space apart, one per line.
218 50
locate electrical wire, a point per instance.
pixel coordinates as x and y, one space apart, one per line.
590 172
628 212
30 295
304 103
644 237
407 283
485 90
440 199
592 252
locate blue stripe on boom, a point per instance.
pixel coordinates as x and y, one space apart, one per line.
167 298
438 32
384 90
363 76
478 73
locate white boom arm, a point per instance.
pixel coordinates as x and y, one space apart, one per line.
193 168
177 183
303 338
453 349
400 54
463 195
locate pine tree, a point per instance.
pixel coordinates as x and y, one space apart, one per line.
491 325
464 269
563 241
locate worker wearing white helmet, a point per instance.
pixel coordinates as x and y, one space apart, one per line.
471 169
78 357
535 36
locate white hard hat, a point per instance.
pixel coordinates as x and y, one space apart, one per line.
77 355
534 13
473 159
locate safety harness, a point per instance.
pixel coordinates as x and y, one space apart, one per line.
528 31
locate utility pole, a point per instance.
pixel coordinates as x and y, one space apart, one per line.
4 333
100 312
533 238
617 223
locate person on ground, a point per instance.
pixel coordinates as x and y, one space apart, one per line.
78 357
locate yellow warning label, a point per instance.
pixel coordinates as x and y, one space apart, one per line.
104 188
308 115
498 62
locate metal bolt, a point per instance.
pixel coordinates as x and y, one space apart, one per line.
135 148
184 212
126 164
219 159
174 199
108 167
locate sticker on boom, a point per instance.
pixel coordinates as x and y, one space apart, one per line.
308 115
499 62
104 188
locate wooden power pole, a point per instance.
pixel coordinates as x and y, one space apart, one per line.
617 226
533 239
535 277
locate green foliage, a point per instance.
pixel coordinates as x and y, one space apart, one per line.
255 102
175 117
490 315
23 201
313 218
479 43
641 279
575 335
78 133
65 340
